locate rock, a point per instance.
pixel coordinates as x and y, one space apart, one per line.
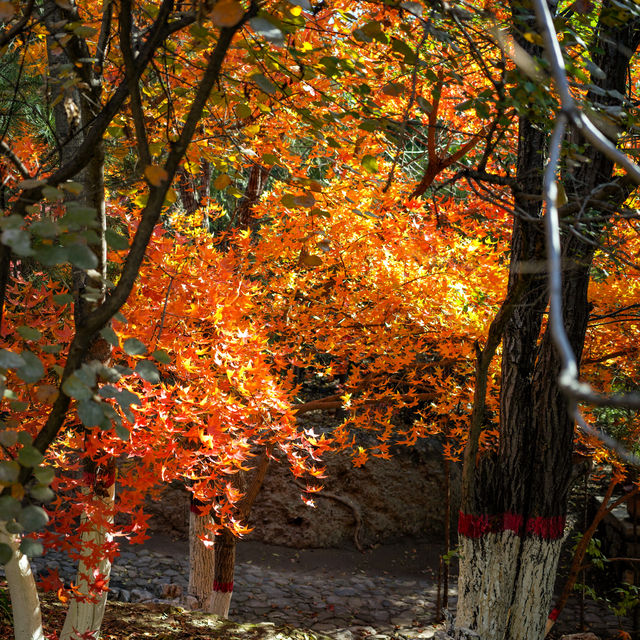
141 595
423 635
170 591
343 634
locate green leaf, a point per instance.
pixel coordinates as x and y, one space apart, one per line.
90 413
264 83
9 508
110 336
75 188
51 193
29 456
44 228
50 255
14 527
9 471
29 333
133 347
370 163
267 30
41 493
10 360
464 106
6 553
306 200
147 371
19 240
79 215
62 298
242 111
18 405
32 369
33 518
51 348
81 256
116 241
8 437
161 356
74 387
44 475
84 31
31 548
122 432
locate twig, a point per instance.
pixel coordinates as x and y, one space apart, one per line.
349 503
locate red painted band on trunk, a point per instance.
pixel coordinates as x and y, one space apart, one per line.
223 587
546 528
554 614
472 526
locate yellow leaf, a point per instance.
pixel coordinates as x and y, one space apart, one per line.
17 491
47 393
227 13
311 260
155 174
295 11
172 196
222 182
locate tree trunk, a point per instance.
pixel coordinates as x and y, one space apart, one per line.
211 570
25 603
85 617
201 558
224 572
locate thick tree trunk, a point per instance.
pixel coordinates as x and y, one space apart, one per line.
25 603
512 521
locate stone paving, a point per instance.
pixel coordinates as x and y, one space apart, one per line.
342 605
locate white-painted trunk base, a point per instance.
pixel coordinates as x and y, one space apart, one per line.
485 584
505 586
25 603
201 560
219 603
86 617
534 588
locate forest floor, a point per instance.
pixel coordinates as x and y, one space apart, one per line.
405 560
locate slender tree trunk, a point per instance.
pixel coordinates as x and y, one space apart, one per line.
85 616
201 557
25 603
211 570
225 563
